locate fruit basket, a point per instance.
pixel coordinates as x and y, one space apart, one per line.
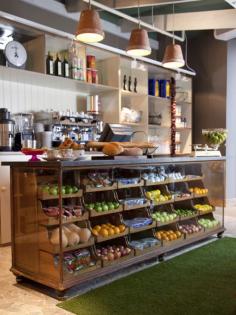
102 203
127 178
98 181
203 207
74 236
180 191
169 235
104 229
49 215
144 242
132 199
215 137
190 229
139 220
159 196
51 191
185 213
114 252
164 215
209 223
198 191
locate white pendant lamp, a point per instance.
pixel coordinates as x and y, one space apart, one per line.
89 27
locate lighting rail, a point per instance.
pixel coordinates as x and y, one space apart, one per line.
54 31
134 20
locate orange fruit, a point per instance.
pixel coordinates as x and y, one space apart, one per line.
178 233
121 228
166 238
97 228
111 232
116 230
104 232
95 232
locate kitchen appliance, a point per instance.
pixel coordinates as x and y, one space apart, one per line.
6 130
116 132
93 104
24 131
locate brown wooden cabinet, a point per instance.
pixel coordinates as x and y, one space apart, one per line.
50 199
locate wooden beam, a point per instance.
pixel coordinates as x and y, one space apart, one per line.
205 20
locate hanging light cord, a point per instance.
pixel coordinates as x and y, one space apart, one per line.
186 54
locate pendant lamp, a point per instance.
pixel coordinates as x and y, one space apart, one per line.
173 57
89 27
139 42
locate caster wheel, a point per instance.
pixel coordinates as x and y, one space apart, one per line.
220 235
161 257
19 279
60 295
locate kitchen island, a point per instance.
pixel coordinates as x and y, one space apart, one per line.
76 221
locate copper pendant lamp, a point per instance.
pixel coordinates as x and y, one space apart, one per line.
173 57
89 29
139 43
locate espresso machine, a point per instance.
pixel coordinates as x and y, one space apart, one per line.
6 130
24 132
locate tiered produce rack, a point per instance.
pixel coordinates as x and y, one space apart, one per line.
37 258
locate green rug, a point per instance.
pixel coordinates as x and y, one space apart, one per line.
200 282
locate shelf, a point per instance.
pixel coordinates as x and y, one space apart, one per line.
100 239
167 223
54 222
128 208
157 126
132 94
122 186
177 199
172 181
199 195
201 213
55 249
133 124
50 81
143 228
183 128
93 213
45 196
174 242
158 98
162 202
182 218
90 188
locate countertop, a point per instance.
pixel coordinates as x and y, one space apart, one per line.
131 162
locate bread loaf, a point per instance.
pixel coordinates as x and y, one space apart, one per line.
112 149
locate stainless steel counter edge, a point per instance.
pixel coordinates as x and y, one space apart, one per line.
106 162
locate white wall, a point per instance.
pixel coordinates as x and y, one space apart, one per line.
231 123
21 97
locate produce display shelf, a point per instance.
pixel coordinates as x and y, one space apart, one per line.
139 252
127 207
143 228
100 239
106 263
174 242
200 213
199 195
55 249
122 186
159 224
44 196
183 218
90 188
93 213
193 235
177 199
162 202
54 222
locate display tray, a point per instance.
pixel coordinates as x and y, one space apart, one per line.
55 249
139 252
45 196
200 213
183 218
193 235
93 213
158 224
143 228
91 188
127 207
176 199
106 263
69 276
159 203
121 186
174 242
199 195
54 221
211 230
100 239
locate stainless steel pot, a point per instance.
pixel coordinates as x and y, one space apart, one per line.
7 135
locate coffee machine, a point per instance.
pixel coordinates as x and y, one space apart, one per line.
6 130
24 132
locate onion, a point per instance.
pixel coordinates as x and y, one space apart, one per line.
117 255
110 256
104 258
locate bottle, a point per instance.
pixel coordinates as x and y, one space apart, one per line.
65 68
49 64
58 67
